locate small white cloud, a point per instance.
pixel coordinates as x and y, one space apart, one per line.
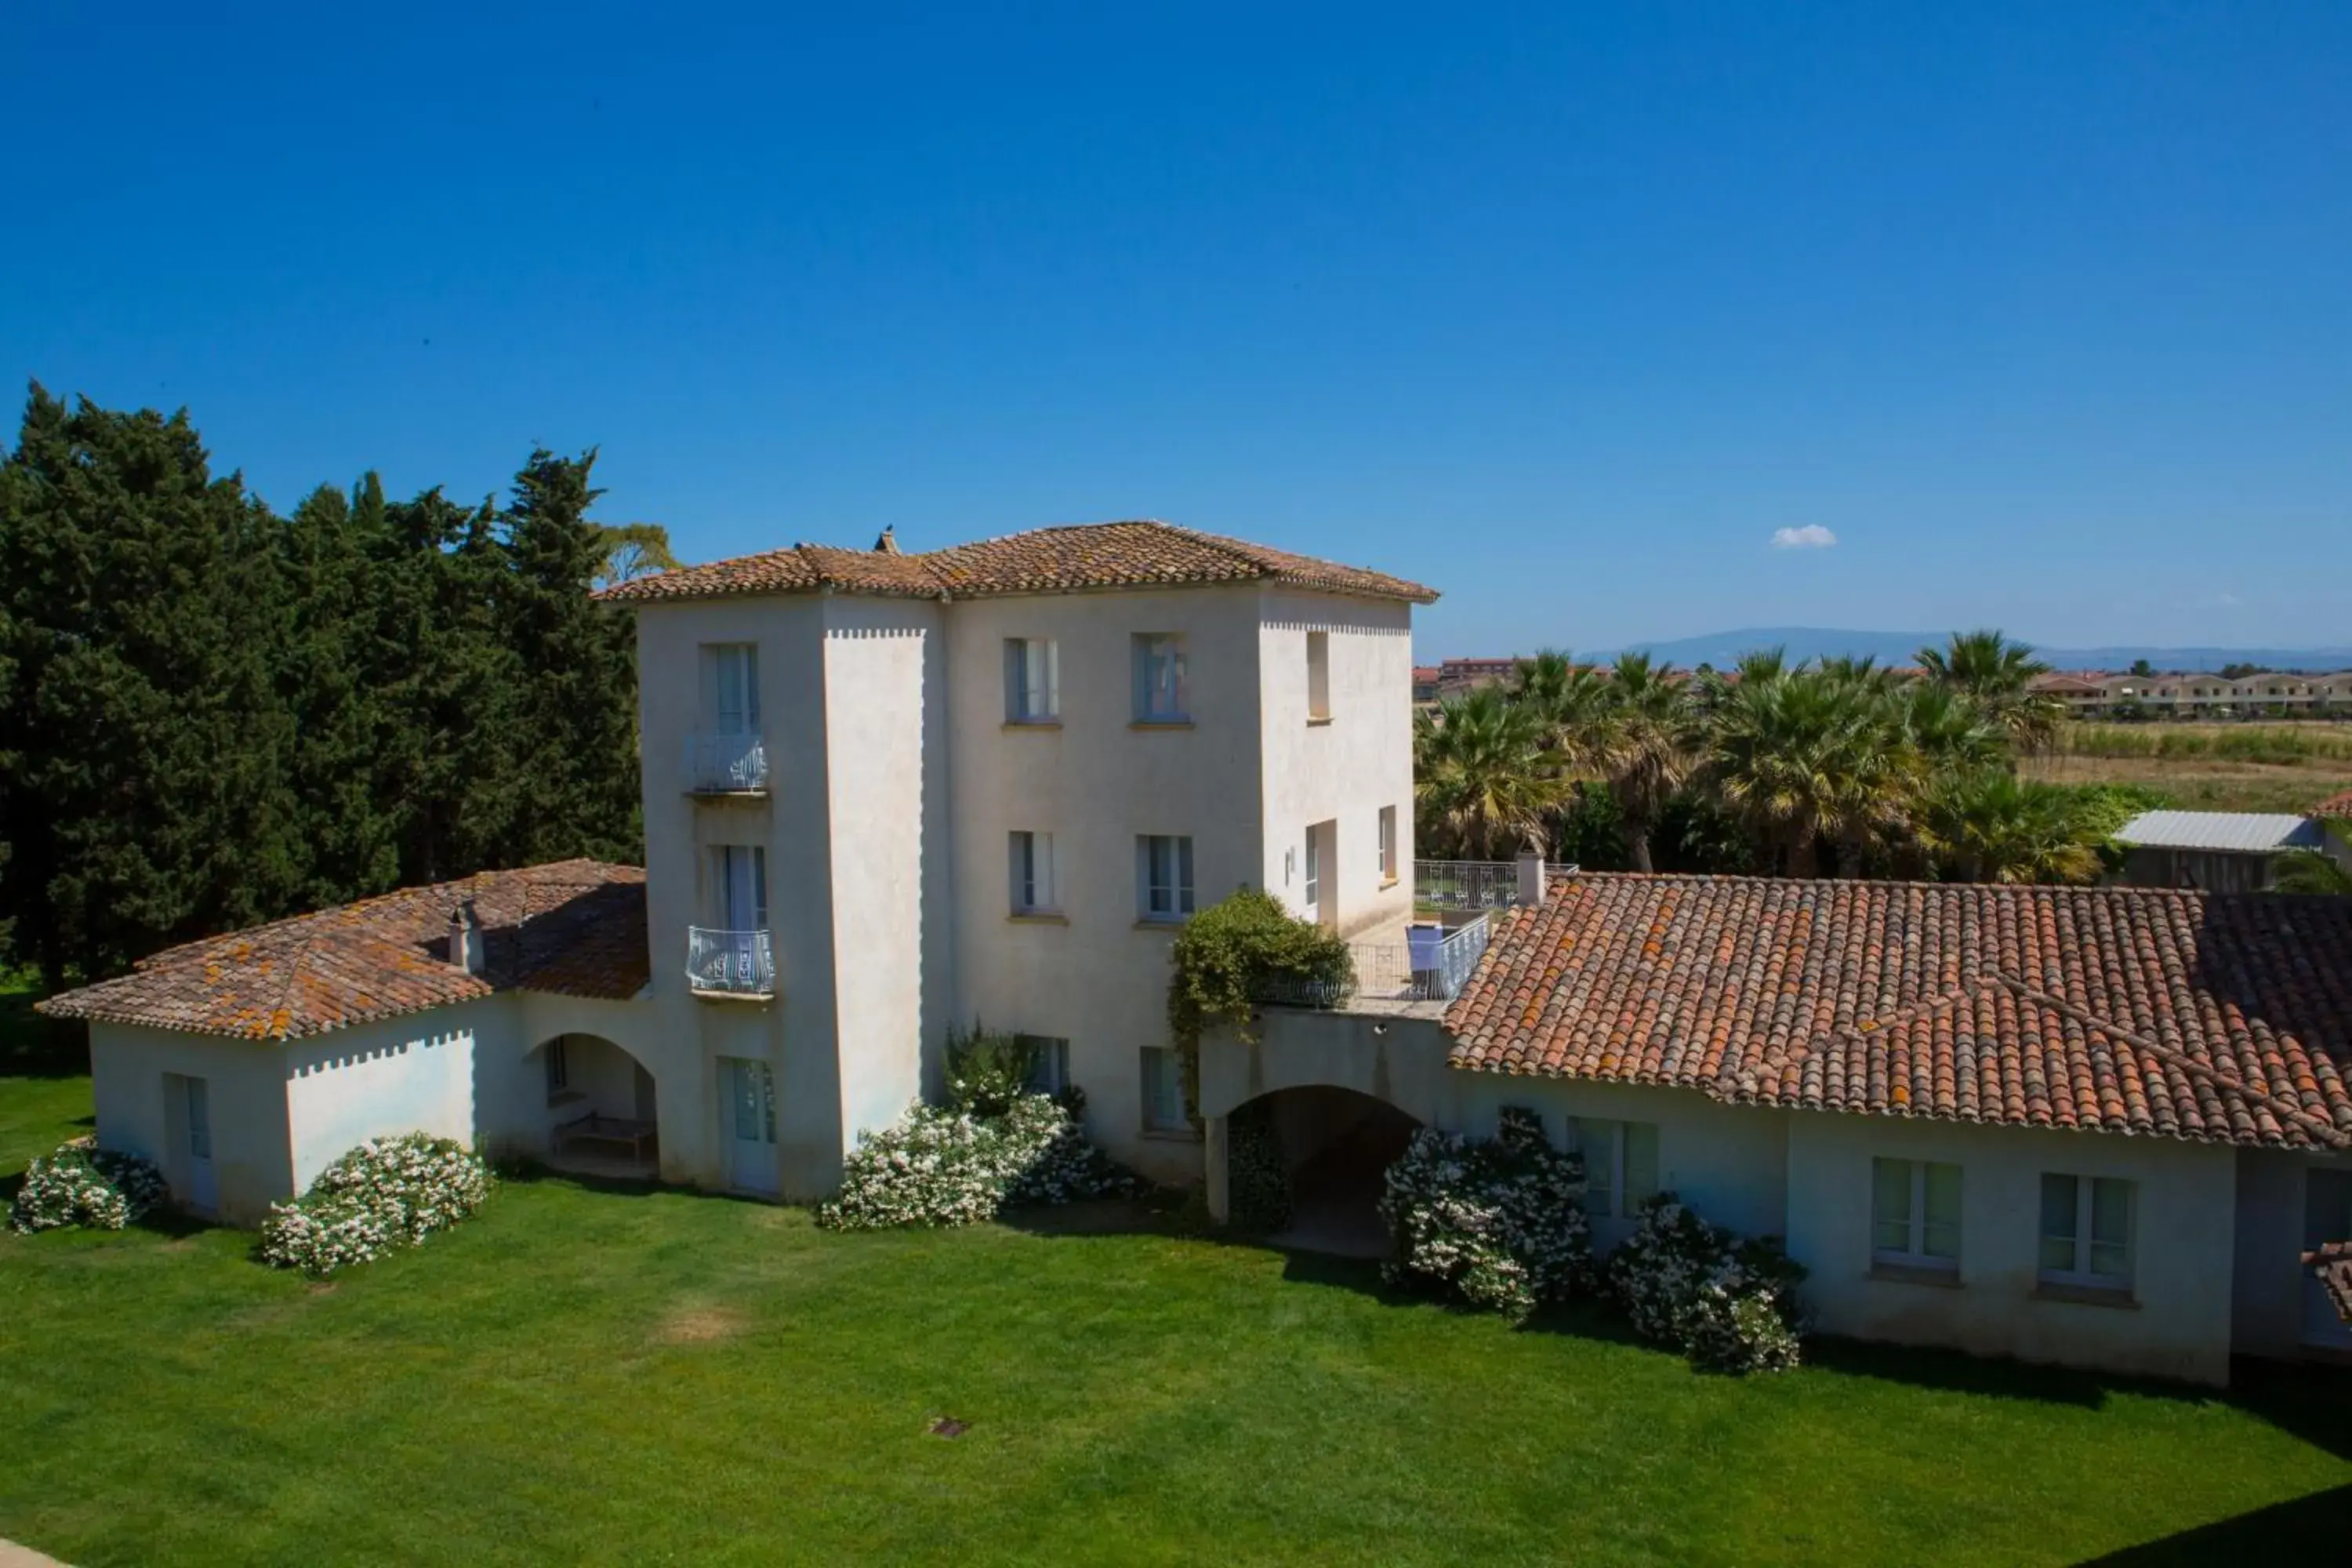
1812 536
2228 601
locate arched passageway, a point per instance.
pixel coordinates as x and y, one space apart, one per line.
1334 1146
603 1110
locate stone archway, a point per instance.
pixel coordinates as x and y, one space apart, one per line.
603 1107
1335 1145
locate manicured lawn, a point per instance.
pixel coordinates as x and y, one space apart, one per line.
620 1377
44 1082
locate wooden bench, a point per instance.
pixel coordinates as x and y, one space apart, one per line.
595 1128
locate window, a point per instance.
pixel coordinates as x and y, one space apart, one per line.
559 1071
1914 1212
1033 680
1388 844
738 886
2086 1231
1315 872
1163 877
730 688
1621 1165
1049 1064
1163 1091
1033 890
1319 675
1161 696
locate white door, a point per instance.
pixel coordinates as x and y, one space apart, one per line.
203 1191
748 1108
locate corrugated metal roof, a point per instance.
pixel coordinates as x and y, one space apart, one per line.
2251 832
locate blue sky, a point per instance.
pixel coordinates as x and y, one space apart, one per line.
2041 311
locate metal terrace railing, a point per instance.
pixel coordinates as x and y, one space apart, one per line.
1452 887
1430 965
731 962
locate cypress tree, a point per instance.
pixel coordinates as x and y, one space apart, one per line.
350 825
145 790
575 722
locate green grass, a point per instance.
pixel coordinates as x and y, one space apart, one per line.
44 1081
615 1378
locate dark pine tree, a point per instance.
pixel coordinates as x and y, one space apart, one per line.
574 789
145 792
350 828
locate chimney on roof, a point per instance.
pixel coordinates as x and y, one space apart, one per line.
466 945
1531 878
888 544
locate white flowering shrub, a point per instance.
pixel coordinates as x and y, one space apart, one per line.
1494 1222
942 1167
82 1185
386 1194
1729 1304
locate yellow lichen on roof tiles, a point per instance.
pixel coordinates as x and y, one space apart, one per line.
1972 1002
576 926
1044 560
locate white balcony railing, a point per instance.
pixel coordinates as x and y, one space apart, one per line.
726 764
731 962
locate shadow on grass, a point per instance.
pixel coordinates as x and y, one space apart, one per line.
2315 1529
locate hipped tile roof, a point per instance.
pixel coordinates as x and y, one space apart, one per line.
576 927
1042 561
2205 1016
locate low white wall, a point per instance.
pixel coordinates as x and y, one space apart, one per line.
413 1074
246 1093
1728 1162
2178 1324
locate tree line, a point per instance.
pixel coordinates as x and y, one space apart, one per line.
1838 766
212 715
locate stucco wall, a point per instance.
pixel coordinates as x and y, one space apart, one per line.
2269 1286
793 1033
1096 784
878 655
413 1074
1343 771
2179 1325
1398 1059
252 1156
1728 1162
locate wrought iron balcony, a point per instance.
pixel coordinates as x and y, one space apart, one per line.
726 764
731 962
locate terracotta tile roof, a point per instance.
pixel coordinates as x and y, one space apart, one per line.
2206 1016
1042 561
2337 807
2333 1264
577 927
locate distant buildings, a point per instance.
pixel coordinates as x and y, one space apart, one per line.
2196 694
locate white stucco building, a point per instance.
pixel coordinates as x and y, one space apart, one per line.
887 795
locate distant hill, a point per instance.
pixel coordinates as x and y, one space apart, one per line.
1720 649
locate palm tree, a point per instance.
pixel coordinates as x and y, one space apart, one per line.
1998 675
1988 825
1482 772
1652 746
1804 757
